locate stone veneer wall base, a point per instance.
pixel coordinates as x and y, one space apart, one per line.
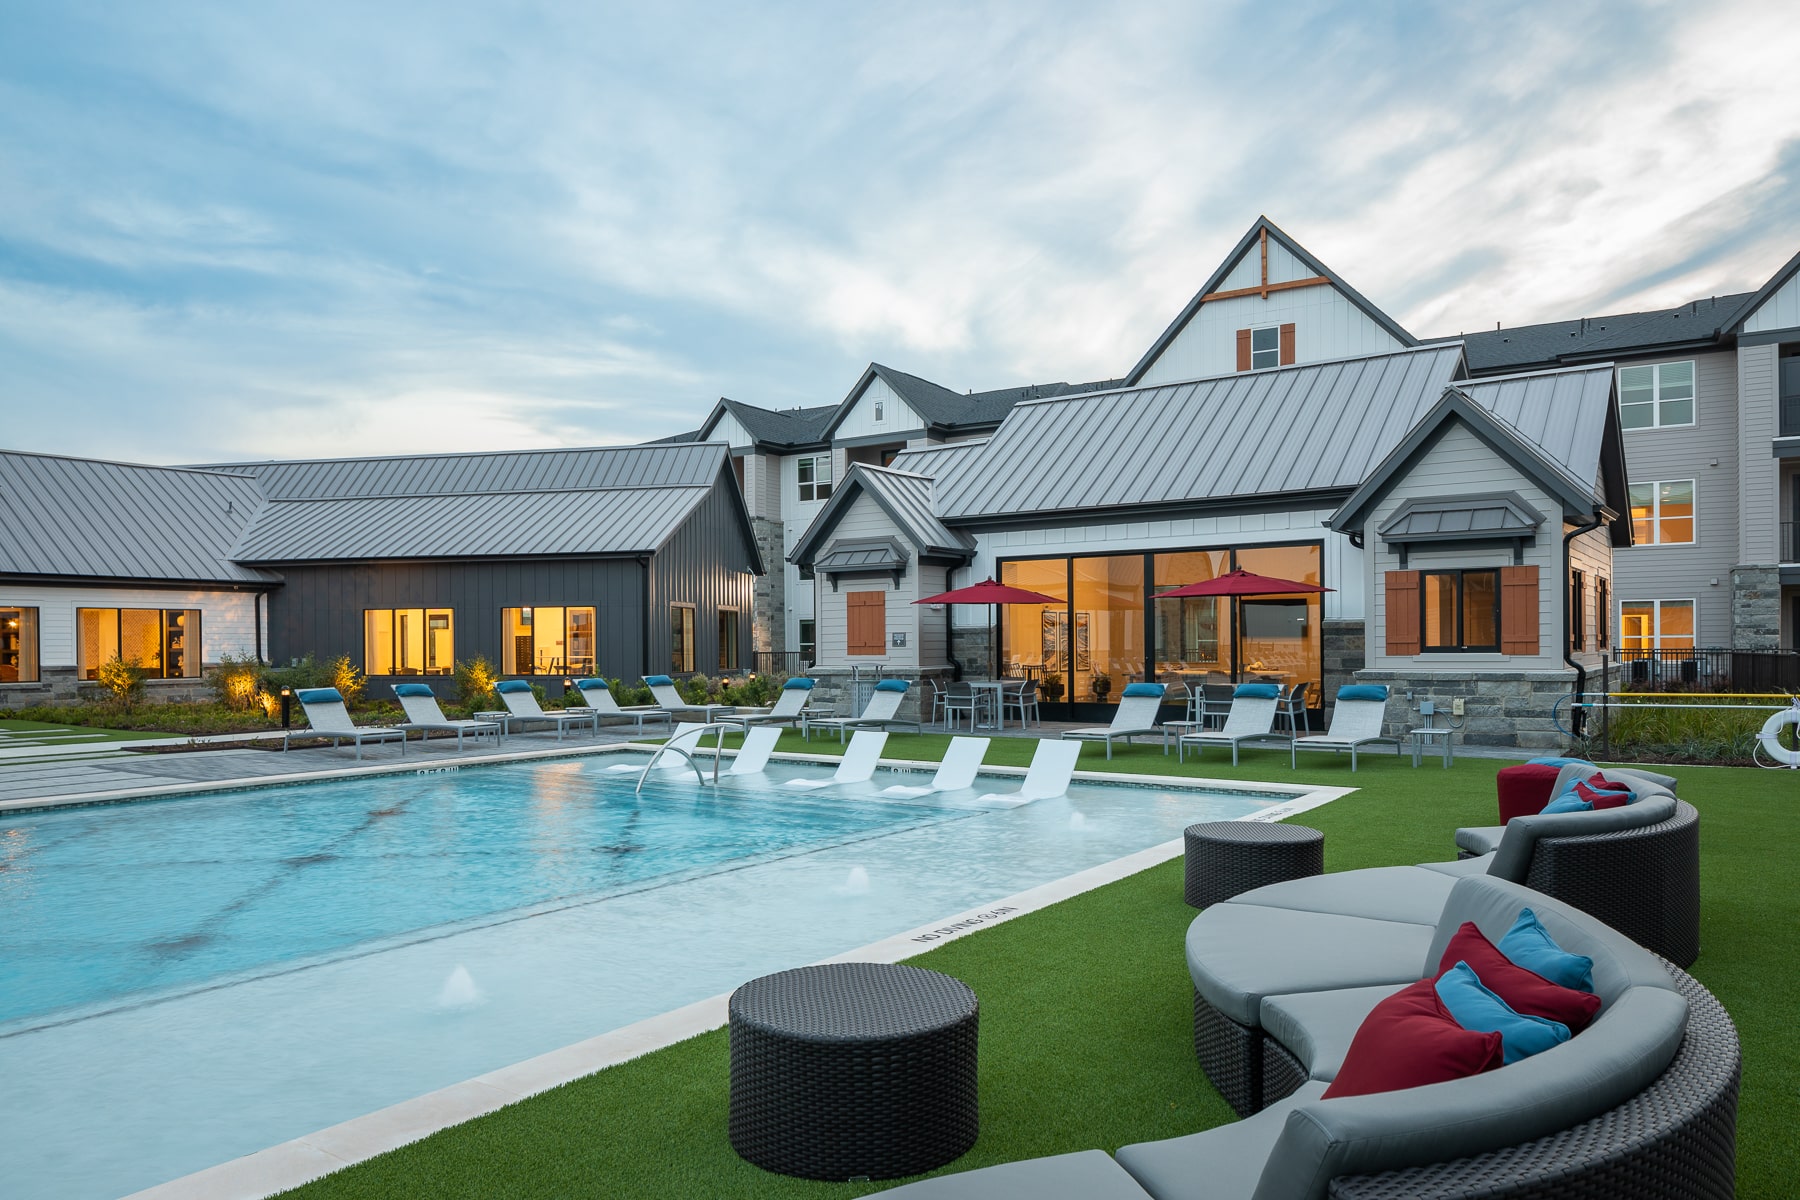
1502 708
1756 608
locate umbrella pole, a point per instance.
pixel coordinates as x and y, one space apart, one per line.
994 637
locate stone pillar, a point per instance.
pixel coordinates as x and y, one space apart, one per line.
1343 646
768 608
1755 608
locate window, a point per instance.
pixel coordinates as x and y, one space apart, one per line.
408 641
865 616
547 641
164 642
1460 610
815 477
1662 514
1655 396
1577 611
18 645
1602 613
809 643
1265 347
728 640
681 631
1656 625
880 409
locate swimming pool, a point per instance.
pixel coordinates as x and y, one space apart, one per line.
183 981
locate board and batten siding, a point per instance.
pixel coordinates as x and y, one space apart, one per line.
1780 311
227 619
897 416
863 519
1685 572
1460 463
319 611
1758 386
730 430
1326 325
704 563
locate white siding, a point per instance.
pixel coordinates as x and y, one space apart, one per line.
1462 464
896 415
1758 474
1779 311
866 519
1326 325
227 621
728 429
762 485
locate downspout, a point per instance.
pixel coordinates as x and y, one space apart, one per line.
256 605
1577 716
644 565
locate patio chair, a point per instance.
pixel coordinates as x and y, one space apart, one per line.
522 708
663 688
1254 707
328 718
1023 700
1293 708
961 763
1052 767
1355 722
960 698
877 714
597 698
685 737
754 754
423 714
789 709
857 765
1136 717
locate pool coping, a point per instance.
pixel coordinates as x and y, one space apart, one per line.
312 1156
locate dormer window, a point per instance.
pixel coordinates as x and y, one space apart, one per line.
880 410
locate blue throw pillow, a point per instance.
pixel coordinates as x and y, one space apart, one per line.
657 680
1528 944
1478 1010
1363 691
1568 802
319 696
1145 689
890 685
1258 691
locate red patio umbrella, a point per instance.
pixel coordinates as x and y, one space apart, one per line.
1242 583
992 593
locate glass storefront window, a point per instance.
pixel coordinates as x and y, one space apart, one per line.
547 641
1034 638
1108 644
1193 633
1281 636
165 642
18 645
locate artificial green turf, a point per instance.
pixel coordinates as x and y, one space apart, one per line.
1086 1007
39 733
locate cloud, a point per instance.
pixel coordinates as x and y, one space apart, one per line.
324 228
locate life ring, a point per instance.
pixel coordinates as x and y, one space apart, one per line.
1768 739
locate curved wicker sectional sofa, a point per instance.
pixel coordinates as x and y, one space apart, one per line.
1642 1103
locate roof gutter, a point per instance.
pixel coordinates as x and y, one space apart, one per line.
1576 712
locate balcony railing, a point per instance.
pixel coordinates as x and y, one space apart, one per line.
1704 670
791 662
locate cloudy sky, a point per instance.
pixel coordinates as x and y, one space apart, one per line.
248 230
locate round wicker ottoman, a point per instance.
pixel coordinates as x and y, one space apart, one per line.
853 1071
1228 858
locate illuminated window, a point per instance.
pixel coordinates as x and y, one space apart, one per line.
681 628
1460 610
547 641
1656 625
18 645
165 642
728 640
1662 514
815 477
1655 396
409 641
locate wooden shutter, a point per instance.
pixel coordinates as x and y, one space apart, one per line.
1287 344
1403 634
1243 345
1518 610
866 616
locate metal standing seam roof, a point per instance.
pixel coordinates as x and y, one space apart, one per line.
940 463
106 520
905 497
1562 414
665 465
480 525
877 554
1450 517
1310 427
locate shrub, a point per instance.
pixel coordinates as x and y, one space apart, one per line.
475 680
299 673
346 678
754 690
238 681
695 689
123 680
1685 731
628 694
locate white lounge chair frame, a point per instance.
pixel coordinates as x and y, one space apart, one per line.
754 754
663 688
424 715
1354 723
522 707
1251 719
877 714
961 763
597 697
1052 768
1136 717
857 766
328 718
790 707
686 738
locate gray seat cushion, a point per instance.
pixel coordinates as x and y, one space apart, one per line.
1239 953
1458 867
1480 839
1316 1027
1216 1164
1637 776
1378 893
1088 1175
1513 858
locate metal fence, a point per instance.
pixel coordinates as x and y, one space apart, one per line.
1706 670
789 662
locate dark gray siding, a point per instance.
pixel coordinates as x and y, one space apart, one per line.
319 610
703 565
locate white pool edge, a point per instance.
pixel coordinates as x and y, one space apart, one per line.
315 1155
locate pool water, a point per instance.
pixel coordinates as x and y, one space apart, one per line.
184 981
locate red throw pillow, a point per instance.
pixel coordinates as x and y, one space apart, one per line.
1602 792
1526 991
1410 1040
